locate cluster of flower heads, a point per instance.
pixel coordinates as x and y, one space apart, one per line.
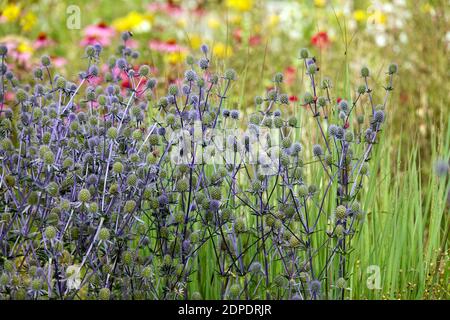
107 194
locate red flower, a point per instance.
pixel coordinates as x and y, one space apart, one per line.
42 36
320 40
293 98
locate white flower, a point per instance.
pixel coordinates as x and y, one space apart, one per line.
380 40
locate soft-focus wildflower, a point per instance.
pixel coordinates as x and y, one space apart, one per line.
166 46
20 50
58 61
28 21
293 98
377 17
359 15
176 57
235 19
195 41
320 3
255 40
133 21
426 7
290 75
320 40
169 8
237 34
274 20
42 41
221 50
240 5
213 23
99 33
10 12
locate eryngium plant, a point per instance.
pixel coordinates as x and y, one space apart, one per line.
120 194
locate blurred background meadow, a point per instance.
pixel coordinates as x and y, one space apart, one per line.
406 234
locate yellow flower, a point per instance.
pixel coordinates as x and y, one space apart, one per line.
24 48
221 50
378 17
133 21
213 23
426 7
359 15
339 13
181 23
28 21
236 19
195 41
11 12
274 19
175 57
240 5
320 3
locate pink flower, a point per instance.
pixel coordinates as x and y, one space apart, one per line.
42 41
98 34
22 58
289 75
95 80
58 61
254 40
237 34
171 9
165 46
133 44
10 96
